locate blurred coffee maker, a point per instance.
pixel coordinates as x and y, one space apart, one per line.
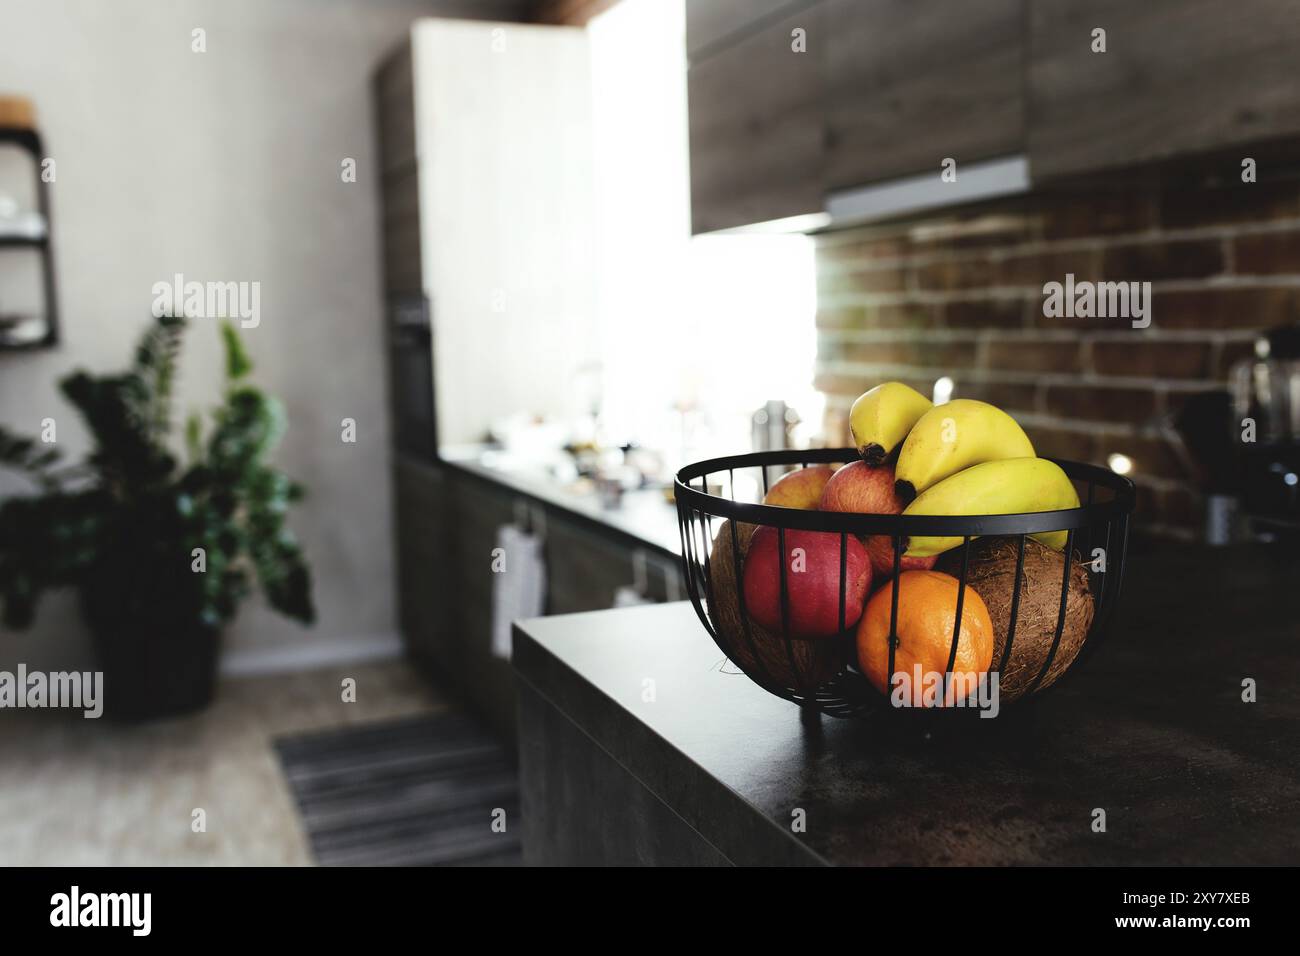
1266 431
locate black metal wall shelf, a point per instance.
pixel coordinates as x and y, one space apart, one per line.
29 140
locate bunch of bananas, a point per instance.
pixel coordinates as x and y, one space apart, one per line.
961 458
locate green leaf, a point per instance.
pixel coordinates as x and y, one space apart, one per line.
154 375
127 453
238 364
247 428
125 537
47 541
285 578
25 454
194 437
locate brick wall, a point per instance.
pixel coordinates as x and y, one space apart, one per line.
961 294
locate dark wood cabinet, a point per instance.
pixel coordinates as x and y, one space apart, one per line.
403 270
1178 76
756 126
910 82
446 530
394 98
890 88
424 590
585 569
476 510
447 525
716 23
883 88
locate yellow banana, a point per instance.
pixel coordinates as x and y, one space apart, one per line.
1009 486
954 436
881 418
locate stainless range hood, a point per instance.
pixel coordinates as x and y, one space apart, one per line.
986 179
1004 176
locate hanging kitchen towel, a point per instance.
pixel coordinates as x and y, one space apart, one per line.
518 583
629 596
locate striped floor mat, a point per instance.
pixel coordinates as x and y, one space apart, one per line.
415 792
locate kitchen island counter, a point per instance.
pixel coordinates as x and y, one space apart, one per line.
637 744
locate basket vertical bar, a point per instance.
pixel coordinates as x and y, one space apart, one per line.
956 627
1060 614
893 614
783 558
737 562
1015 604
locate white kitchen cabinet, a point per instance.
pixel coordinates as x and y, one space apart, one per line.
501 233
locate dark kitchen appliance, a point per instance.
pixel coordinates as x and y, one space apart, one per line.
410 362
1101 521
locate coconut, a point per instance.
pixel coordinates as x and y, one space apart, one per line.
991 570
815 662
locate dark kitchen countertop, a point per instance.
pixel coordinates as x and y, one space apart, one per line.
643 519
1151 728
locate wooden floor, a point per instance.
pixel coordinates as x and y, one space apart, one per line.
89 792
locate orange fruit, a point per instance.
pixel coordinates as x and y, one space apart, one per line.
927 614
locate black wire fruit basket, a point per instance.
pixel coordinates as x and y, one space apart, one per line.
1042 606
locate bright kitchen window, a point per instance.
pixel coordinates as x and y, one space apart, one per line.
696 333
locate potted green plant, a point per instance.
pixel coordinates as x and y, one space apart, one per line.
161 547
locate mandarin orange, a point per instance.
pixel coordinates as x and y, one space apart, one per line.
927 615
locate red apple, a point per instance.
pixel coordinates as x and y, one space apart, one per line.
862 488
799 489
812 580
869 489
880 551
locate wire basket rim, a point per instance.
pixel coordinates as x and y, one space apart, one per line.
1032 522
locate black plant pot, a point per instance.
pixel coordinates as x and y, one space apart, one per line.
153 671
158 656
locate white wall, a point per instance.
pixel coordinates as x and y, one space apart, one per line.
225 165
